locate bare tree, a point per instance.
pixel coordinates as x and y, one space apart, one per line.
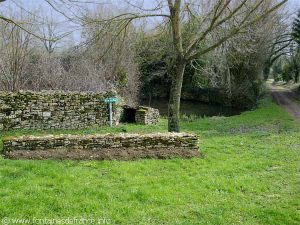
279 40
231 16
241 13
49 32
14 48
117 61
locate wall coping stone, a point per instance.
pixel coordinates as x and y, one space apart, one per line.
122 146
108 135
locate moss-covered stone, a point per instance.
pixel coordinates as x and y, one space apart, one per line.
164 143
146 115
54 110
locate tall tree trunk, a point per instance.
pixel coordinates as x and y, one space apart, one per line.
178 67
266 70
175 94
296 75
296 69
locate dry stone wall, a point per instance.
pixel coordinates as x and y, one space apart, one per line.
108 146
146 115
54 110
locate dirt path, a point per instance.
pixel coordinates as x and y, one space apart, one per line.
287 99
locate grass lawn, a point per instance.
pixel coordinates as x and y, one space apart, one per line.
249 174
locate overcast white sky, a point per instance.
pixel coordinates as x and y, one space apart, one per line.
294 2
293 6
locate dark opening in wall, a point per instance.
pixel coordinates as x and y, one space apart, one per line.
128 115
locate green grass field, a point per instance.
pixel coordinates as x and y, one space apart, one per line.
249 174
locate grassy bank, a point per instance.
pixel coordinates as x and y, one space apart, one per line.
249 175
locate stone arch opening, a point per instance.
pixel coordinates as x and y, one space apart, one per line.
128 115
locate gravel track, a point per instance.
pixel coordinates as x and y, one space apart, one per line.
288 99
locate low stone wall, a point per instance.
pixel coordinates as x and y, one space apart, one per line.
146 115
54 110
108 146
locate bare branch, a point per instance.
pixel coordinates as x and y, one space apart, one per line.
239 28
